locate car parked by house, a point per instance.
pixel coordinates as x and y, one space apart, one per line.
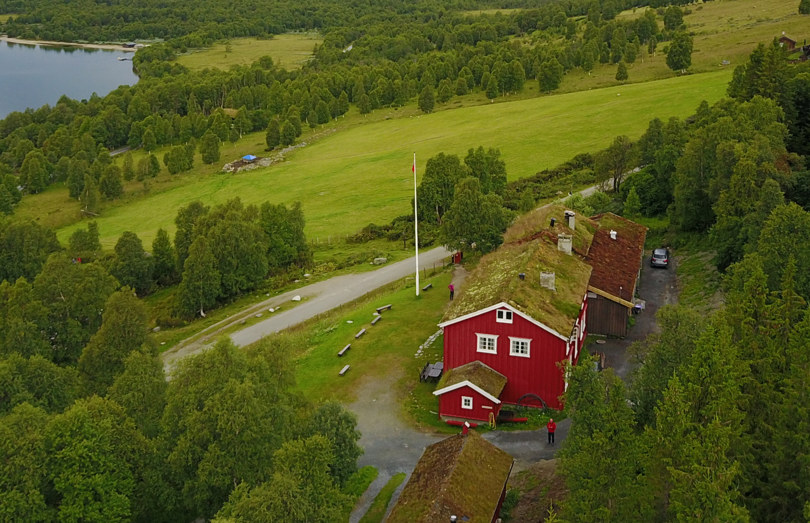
660 258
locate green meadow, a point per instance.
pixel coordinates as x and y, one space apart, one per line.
290 50
722 32
362 174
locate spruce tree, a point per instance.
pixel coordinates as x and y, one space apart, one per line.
621 72
426 99
164 263
273 135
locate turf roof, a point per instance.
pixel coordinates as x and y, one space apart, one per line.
530 247
616 262
486 378
463 475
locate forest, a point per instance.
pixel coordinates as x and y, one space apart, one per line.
712 425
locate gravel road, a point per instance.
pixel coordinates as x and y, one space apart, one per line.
315 299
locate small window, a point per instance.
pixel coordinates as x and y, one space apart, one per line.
519 347
487 343
466 402
504 316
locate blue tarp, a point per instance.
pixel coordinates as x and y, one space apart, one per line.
249 157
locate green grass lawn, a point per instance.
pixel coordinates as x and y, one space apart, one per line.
290 50
391 343
362 174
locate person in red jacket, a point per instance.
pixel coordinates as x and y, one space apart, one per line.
551 426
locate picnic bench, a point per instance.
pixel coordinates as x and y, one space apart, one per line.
362 331
384 308
344 370
428 286
375 320
345 349
432 371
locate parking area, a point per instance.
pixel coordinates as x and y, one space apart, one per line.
658 287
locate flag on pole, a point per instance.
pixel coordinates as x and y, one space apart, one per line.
415 224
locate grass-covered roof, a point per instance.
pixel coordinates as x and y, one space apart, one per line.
530 247
616 262
462 475
486 378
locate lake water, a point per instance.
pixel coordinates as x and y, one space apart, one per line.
32 76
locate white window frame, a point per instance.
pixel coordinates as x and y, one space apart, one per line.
513 352
504 316
467 402
481 337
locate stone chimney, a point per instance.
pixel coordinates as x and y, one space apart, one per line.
547 280
569 219
565 243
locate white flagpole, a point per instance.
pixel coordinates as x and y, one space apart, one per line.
415 225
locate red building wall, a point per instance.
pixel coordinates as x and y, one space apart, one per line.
538 374
450 405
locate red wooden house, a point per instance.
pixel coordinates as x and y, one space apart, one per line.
616 256
522 313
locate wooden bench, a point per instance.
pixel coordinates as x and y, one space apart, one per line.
344 370
345 349
376 319
362 331
428 286
384 308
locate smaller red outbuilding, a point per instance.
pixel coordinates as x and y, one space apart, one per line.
470 392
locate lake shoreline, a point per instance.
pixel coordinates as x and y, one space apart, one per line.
50 43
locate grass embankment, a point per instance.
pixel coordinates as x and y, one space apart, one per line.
377 510
699 281
362 174
357 484
289 50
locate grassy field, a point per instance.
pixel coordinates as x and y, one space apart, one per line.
290 50
362 174
721 30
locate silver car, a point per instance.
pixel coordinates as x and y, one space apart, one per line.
660 258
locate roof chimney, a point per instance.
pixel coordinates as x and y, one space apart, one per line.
612 234
569 219
565 243
547 280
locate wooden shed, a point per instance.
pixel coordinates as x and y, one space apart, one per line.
463 476
616 255
470 392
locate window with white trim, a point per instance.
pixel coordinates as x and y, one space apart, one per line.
466 402
503 316
519 347
487 343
